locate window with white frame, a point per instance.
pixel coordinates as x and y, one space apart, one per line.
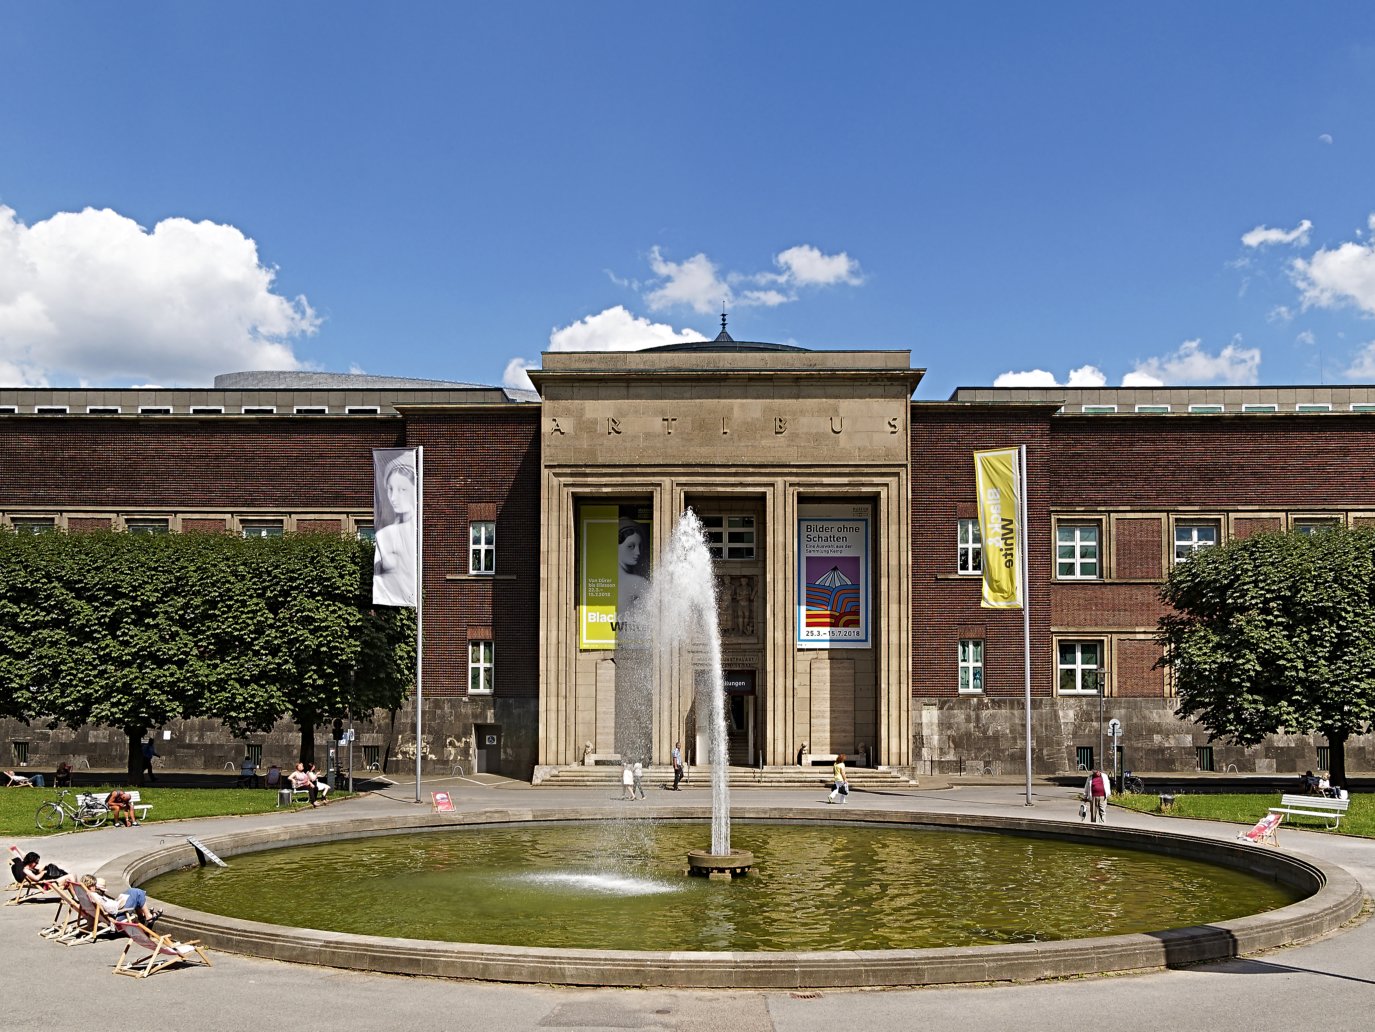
971 665
1077 551
367 532
1078 665
1190 536
482 547
262 528
479 667
729 537
970 547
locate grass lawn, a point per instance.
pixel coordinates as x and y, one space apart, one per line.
1247 809
19 805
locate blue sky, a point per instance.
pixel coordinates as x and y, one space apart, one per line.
1176 193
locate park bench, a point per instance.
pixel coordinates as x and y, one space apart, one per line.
1313 806
97 802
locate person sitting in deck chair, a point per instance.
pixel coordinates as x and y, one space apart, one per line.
135 900
17 780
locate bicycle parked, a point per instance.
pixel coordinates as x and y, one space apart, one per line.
1130 783
87 811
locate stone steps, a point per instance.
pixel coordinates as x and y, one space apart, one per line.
608 775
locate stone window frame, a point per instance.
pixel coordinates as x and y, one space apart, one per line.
482 548
266 523
969 663
968 547
1315 521
1077 642
482 662
104 410
146 524
1179 521
745 550
36 523
1079 522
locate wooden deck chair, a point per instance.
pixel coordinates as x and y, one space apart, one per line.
91 920
13 780
67 914
32 892
1265 832
162 951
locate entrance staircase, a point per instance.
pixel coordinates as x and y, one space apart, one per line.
609 776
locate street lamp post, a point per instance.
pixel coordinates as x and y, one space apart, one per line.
1101 674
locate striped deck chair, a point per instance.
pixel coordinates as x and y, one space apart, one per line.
91 920
1265 832
67 915
162 951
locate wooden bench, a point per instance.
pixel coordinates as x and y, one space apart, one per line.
97 802
1313 806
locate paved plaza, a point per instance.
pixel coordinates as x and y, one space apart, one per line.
1327 984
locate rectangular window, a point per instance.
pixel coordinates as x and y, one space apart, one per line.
1083 757
971 665
9 410
146 526
970 547
102 410
729 537
482 547
1362 406
372 757
1319 525
254 753
34 524
1324 757
1153 410
261 528
259 410
1205 757
1076 551
367 532
20 751
155 410
207 410
362 410
1078 667
479 667
50 410
1205 409
1099 410
1319 406
1190 537
311 410
1259 408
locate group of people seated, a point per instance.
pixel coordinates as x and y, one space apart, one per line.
62 778
1317 785
31 877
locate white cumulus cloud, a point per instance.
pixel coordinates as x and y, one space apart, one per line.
1262 236
1324 137
1190 364
1363 364
614 329
1338 276
93 297
698 282
1084 376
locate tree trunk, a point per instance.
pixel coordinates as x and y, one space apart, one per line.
307 743
135 755
1336 758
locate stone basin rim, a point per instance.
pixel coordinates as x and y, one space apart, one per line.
1336 897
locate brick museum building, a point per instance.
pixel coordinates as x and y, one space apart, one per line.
784 453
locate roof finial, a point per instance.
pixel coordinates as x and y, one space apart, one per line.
723 335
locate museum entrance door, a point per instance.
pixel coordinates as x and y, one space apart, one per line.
740 705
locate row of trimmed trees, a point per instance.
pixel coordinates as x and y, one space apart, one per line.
131 631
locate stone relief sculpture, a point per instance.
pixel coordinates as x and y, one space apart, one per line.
735 604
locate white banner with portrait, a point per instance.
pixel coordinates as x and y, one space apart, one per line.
395 508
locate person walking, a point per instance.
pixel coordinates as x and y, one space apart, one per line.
1097 791
627 782
637 772
149 751
677 765
840 786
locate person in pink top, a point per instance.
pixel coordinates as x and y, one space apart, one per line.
1097 791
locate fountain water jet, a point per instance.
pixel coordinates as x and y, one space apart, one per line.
680 609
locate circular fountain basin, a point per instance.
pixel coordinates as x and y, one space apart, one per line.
1332 897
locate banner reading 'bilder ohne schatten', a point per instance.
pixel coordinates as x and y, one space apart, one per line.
833 577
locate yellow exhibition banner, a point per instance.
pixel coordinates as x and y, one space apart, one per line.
995 474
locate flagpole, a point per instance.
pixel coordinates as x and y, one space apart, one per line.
1026 607
420 611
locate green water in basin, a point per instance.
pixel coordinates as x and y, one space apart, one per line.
620 885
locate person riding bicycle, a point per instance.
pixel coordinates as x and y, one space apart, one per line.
121 807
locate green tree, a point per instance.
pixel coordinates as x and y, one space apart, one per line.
1276 633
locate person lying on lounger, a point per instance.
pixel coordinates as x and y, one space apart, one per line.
130 899
17 781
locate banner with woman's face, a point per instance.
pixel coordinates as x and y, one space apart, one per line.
395 501
614 560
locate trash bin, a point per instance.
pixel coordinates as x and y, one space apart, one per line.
283 797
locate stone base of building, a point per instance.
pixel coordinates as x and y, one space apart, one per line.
980 735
